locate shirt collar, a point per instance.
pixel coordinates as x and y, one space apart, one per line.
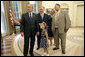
41 13
31 13
57 12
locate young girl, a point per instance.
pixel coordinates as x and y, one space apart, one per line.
44 38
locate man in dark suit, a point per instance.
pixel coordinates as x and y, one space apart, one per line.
42 17
29 28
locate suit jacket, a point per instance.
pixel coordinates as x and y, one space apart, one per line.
45 19
63 22
26 26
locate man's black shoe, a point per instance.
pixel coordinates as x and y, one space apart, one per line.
31 54
38 48
55 48
63 51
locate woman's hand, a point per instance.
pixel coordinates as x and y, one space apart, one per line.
47 42
46 37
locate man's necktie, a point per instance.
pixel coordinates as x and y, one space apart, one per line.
30 17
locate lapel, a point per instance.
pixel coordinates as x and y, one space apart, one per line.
44 17
59 16
33 17
53 17
28 18
40 17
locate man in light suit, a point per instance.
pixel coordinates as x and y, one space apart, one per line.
60 25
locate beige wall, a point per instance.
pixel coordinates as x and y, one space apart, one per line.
80 15
72 5
75 17
24 6
39 3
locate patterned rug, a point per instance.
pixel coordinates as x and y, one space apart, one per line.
74 45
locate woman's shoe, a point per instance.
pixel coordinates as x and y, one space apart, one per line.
44 54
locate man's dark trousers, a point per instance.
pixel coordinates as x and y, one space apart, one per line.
30 38
39 38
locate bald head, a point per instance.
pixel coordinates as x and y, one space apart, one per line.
30 7
41 9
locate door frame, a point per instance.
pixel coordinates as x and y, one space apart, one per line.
76 14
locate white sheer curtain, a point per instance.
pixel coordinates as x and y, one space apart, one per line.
3 25
17 13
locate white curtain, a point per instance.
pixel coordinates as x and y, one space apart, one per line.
3 25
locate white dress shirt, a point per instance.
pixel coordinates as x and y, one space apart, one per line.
31 14
42 15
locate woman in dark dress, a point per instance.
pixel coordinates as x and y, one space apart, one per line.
50 33
52 12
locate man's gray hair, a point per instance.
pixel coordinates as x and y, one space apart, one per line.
30 5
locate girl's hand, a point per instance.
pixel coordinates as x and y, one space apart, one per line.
22 34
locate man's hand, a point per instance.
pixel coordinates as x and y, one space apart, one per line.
65 30
37 33
22 34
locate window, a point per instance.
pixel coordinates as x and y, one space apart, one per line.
17 13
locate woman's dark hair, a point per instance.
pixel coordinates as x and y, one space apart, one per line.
58 4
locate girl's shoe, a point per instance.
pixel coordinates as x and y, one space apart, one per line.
43 55
47 55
